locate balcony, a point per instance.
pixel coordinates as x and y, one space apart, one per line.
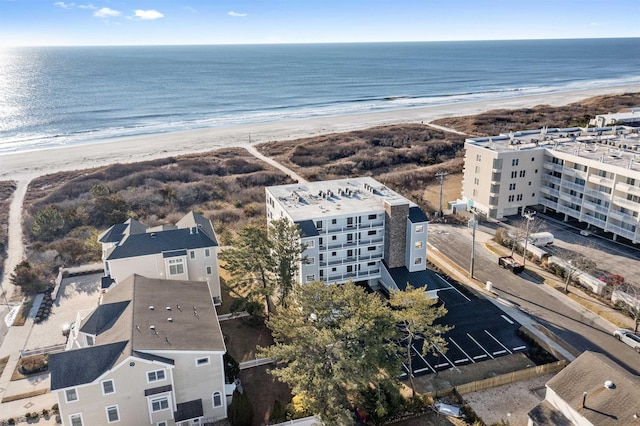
601 180
548 203
621 231
623 202
629 189
573 185
567 171
570 198
567 210
356 276
550 191
593 221
595 207
334 229
552 166
551 179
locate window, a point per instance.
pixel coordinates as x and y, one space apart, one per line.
419 244
162 424
478 157
318 224
208 270
476 181
311 260
202 361
154 376
533 158
333 269
310 278
535 171
207 252
112 414
519 197
512 186
333 254
76 419
71 395
514 174
350 253
371 232
497 163
334 237
523 173
371 264
475 192
372 216
419 228
515 162
511 198
349 221
321 274
477 169
349 268
90 340
417 261
217 399
159 404
176 266
371 248
192 254
310 244
108 387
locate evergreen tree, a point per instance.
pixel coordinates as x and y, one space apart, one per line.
47 223
286 252
240 411
332 342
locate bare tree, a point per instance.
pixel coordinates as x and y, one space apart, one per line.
631 302
522 227
576 264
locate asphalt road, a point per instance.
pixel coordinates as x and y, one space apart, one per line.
576 326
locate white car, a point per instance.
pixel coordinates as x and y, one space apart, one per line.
629 337
585 233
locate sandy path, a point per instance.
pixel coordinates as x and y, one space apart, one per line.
15 247
253 151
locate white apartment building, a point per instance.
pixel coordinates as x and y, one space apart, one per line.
354 229
592 175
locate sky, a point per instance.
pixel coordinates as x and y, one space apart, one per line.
170 22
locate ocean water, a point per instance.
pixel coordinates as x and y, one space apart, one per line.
54 96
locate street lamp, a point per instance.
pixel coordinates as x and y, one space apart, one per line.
473 240
529 216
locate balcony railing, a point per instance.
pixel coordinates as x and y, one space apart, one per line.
573 185
593 221
552 166
567 210
332 229
601 180
621 231
552 179
372 273
629 189
550 191
548 203
568 171
570 198
594 207
623 202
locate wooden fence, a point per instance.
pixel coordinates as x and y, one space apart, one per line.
503 379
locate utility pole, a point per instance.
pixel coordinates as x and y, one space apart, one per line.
473 241
441 176
529 216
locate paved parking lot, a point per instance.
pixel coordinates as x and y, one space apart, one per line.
481 332
76 293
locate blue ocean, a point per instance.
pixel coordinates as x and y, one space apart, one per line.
54 96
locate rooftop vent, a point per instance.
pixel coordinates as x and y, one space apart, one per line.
168 308
170 319
152 327
151 308
609 384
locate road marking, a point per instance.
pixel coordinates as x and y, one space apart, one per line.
461 360
498 342
461 350
451 286
519 348
500 352
422 369
445 357
506 319
485 351
442 365
479 356
423 360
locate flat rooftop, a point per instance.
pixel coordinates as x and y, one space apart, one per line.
304 201
617 145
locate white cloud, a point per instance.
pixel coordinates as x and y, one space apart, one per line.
64 5
87 6
236 14
105 12
595 24
148 14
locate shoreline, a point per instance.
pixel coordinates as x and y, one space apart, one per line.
31 164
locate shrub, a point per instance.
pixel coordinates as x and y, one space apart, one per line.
240 410
47 223
55 409
279 412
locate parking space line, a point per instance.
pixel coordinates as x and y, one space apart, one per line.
451 286
479 356
517 348
423 360
420 370
461 350
461 360
500 352
485 351
491 335
445 357
506 319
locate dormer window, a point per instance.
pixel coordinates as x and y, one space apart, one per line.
90 340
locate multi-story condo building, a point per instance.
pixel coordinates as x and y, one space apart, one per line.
354 229
187 250
150 354
592 175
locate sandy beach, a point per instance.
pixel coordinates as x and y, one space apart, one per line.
27 165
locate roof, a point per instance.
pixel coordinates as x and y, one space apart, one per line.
604 406
416 215
333 198
79 366
118 231
307 228
158 242
427 279
103 317
195 220
122 326
188 410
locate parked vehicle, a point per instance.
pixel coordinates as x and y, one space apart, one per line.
629 337
541 239
586 233
508 262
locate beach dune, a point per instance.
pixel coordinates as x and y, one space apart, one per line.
27 165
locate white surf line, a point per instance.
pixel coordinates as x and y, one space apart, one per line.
461 350
423 360
451 286
507 319
519 348
491 335
485 351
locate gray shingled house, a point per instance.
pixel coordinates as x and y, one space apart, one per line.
187 250
150 354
